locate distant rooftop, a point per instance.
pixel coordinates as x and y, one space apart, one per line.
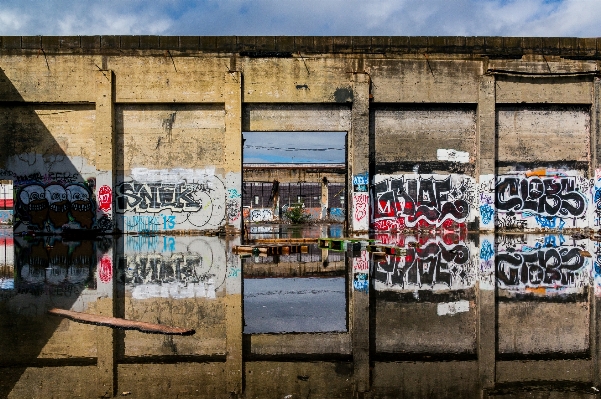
294 166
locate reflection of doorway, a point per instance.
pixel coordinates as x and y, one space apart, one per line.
6 235
291 169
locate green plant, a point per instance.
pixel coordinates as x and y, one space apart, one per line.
297 214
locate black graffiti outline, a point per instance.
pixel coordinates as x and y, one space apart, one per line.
428 265
548 267
545 196
429 199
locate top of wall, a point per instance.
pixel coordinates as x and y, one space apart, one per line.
285 46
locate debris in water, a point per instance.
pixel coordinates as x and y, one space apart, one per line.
124 324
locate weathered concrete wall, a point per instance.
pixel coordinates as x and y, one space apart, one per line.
98 130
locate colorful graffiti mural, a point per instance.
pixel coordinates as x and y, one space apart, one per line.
51 207
413 201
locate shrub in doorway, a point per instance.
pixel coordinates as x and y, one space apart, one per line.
297 214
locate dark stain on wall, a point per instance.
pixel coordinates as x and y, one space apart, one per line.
343 95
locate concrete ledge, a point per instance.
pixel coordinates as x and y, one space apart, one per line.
497 46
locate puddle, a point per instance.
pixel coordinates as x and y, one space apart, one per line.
445 316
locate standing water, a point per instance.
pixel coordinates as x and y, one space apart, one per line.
404 316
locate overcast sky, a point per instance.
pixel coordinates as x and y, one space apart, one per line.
307 17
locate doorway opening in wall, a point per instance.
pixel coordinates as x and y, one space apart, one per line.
6 235
286 172
290 174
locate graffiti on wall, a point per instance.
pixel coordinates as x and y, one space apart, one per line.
233 205
360 207
407 201
597 197
486 201
361 182
261 215
157 200
549 265
429 264
542 198
52 206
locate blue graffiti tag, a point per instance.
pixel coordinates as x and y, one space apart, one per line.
487 213
549 221
360 182
361 282
486 250
233 193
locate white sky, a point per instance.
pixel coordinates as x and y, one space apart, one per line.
307 17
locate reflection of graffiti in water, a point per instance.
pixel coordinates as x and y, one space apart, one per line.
53 267
181 275
429 265
174 267
532 268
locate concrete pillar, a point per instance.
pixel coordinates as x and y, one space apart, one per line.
594 335
232 150
276 200
487 313
234 322
106 337
358 156
595 127
105 148
360 320
324 199
486 150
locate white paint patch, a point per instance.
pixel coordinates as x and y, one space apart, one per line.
452 155
175 290
451 308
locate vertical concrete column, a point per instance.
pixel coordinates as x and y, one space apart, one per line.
324 198
487 313
486 151
595 127
234 321
360 320
105 149
232 150
358 157
105 152
106 337
594 334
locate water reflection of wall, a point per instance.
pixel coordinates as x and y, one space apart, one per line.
174 267
51 263
430 263
542 265
7 260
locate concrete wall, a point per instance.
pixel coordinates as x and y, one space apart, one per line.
102 129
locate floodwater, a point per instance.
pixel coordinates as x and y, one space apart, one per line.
448 316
